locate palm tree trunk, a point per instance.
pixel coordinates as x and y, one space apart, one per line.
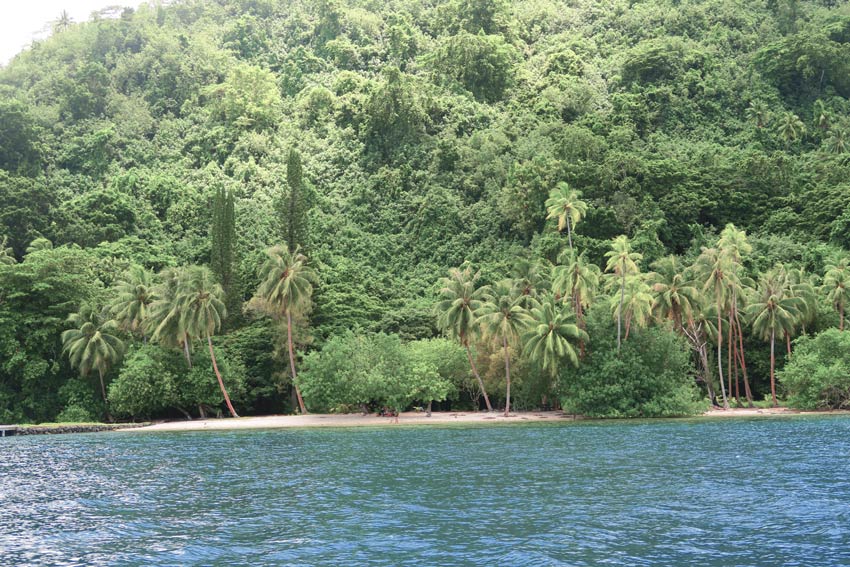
734 367
103 393
220 381
841 317
747 390
186 351
569 233
620 313
628 327
507 377
301 405
773 367
720 358
729 355
788 343
478 377
581 324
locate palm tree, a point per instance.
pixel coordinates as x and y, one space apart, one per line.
636 304
734 247
578 280
502 317
759 113
622 262
164 322
565 204
773 313
550 338
91 345
838 141
7 255
531 280
134 294
791 128
675 298
456 314
63 22
287 288
201 307
39 244
714 267
836 285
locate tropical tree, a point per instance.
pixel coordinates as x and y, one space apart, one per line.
734 247
287 288
551 335
759 113
836 285
503 318
675 298
164 321
565 204
531 280
791 128
39 244
771 314
91 345
460 298
134 294
577 281
635 305
7 255
200 302
714 270
622 262
838 141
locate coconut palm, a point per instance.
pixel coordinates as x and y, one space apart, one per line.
734 247
7 255
460 298
577 280
503 318
715 271
565 204
773 313
200 302
622 262
287 288
759 113
836 285
134 294
636 304
91 345
551 335
531 280
675 298
164 323
791 128
838 141
39 244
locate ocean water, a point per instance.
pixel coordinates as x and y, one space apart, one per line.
739 492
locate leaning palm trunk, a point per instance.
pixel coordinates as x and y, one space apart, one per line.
478 377
301 405
103 393
220 381
788 343
186 351
507 377
569 233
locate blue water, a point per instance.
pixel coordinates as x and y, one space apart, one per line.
766 492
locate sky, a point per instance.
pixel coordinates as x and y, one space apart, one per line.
23 20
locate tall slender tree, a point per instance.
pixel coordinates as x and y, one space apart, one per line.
714 269
295 204
565 204
201 307
287 289
622 262
675 298
460 298
503 318
773 313
836 285
577 282
164 323
223 249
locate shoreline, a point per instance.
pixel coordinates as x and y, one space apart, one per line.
437 418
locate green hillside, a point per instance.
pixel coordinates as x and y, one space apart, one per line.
393 141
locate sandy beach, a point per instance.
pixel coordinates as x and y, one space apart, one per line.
418 418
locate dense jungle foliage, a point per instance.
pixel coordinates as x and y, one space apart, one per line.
150 159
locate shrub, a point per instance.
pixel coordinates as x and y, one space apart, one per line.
818 374
651 377
147 383
74 414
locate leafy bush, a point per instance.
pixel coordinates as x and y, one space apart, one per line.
651 377
362 370
818 375
74 414
147 383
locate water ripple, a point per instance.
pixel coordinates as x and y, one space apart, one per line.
664 493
